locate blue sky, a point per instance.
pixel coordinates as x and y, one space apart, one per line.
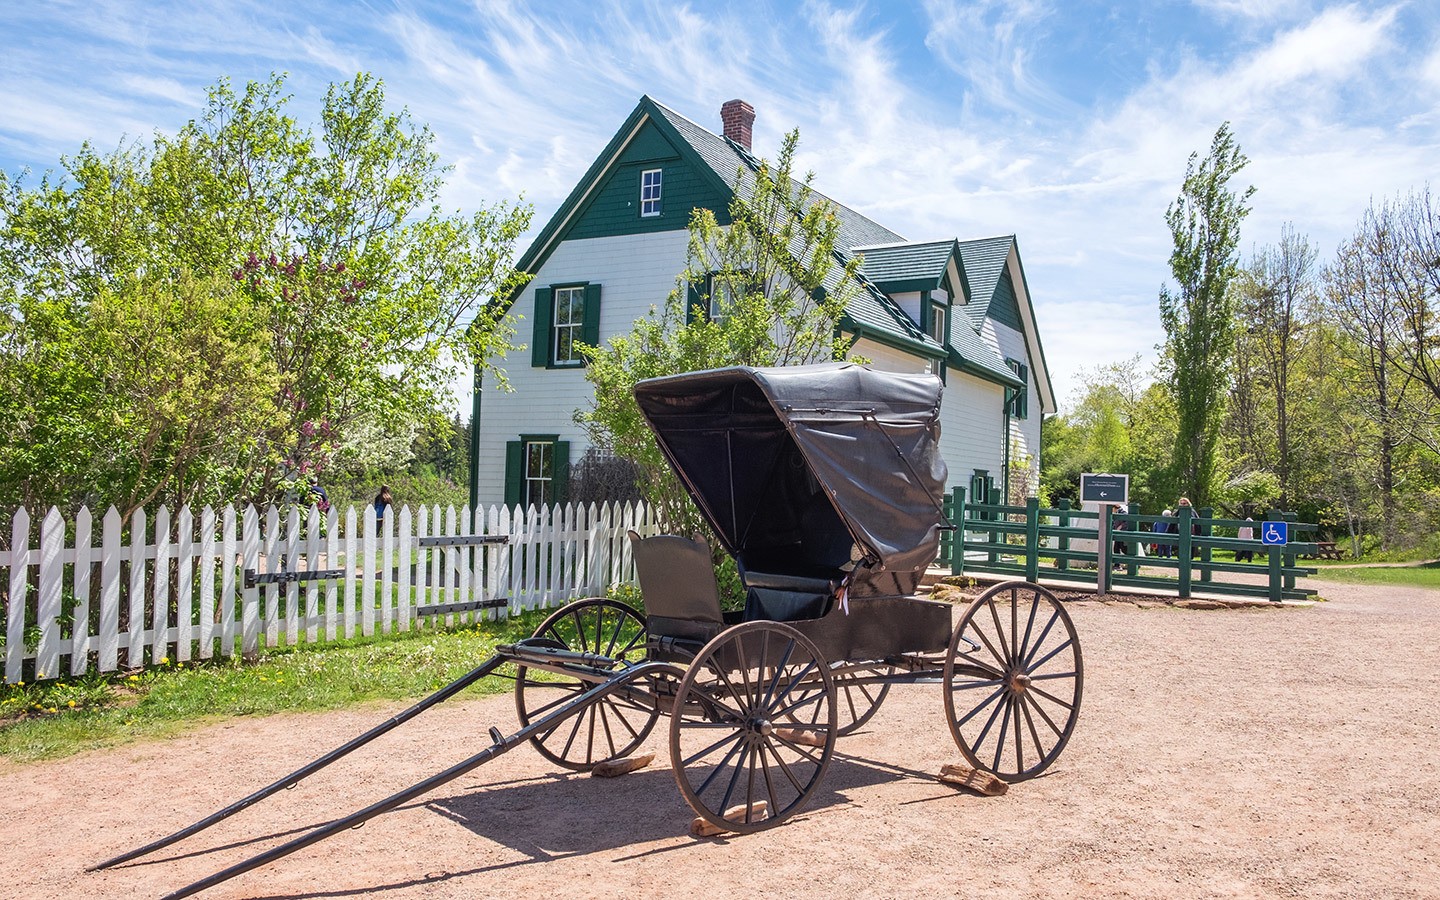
1066 123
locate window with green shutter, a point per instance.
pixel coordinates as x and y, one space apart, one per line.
1017 400
566 316
537 471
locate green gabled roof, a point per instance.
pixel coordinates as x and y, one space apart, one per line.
984 264
919 266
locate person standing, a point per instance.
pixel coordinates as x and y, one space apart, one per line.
1246 533
382 501
1162 549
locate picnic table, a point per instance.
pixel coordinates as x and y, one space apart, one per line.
1327 550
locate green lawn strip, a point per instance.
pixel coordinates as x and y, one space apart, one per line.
1426 576
54 719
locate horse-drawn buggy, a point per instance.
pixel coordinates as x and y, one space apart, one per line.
824 483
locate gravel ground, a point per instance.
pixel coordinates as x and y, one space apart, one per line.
1219 753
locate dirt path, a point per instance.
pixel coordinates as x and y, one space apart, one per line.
1220 753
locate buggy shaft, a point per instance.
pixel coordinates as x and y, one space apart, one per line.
311 768
546 723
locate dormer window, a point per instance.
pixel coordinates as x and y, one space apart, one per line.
650 184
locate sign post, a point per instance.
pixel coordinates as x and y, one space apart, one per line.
1108 490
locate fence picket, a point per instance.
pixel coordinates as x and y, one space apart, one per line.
160 598
135 644
406 528
184 576
80 627
109 591
274 562
332 561
462 559
349 573
207 612
314 561
250 596
387 557
47 612
228 586
19 584
292 564
367 576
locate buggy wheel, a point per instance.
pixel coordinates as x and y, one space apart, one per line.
613 726
1013 680
754 721
858 702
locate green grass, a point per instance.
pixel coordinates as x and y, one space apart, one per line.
58 718
1425 576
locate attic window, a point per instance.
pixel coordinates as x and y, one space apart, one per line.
650 182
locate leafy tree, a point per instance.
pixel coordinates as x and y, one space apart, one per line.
1276 298
362 297
1199 321
767 290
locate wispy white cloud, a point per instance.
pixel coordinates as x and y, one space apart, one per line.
935 122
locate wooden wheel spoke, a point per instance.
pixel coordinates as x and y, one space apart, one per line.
605 724
1034 735
1009 706
1029 627
721 765
971 685
1049 696
999 632
1047 657
1040 641
999 657
713 747
785 767
801 749
984 703
1039 709
989 723
1015 707
735 777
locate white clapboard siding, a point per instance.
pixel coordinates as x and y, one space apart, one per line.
181 586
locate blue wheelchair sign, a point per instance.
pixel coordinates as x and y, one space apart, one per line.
1274 533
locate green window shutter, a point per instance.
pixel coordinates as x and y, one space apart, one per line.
591 332
1022 400
540 342
693 299
560 477
514 471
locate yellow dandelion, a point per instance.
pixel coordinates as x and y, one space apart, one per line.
164 660
71 704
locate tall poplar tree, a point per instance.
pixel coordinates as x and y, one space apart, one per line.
1199 317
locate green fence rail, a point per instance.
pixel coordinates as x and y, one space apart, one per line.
1062 543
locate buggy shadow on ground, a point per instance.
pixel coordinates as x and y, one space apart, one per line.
1246 753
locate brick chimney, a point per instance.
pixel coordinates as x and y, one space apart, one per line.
737 116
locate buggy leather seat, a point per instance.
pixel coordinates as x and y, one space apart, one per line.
677 580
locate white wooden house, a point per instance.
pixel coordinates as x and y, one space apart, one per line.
960 308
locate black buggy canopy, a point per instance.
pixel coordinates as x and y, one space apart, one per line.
804 470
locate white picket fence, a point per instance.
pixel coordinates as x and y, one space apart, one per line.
178 590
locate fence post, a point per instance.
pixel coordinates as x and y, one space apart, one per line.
1207 528
1185 516
1132 568
991 495
957 539
1032 539
1104 550
1274 557
1289 578
1061 562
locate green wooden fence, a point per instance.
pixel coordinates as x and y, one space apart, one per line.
1061 543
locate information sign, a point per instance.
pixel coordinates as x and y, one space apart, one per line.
1274 534
1104 488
